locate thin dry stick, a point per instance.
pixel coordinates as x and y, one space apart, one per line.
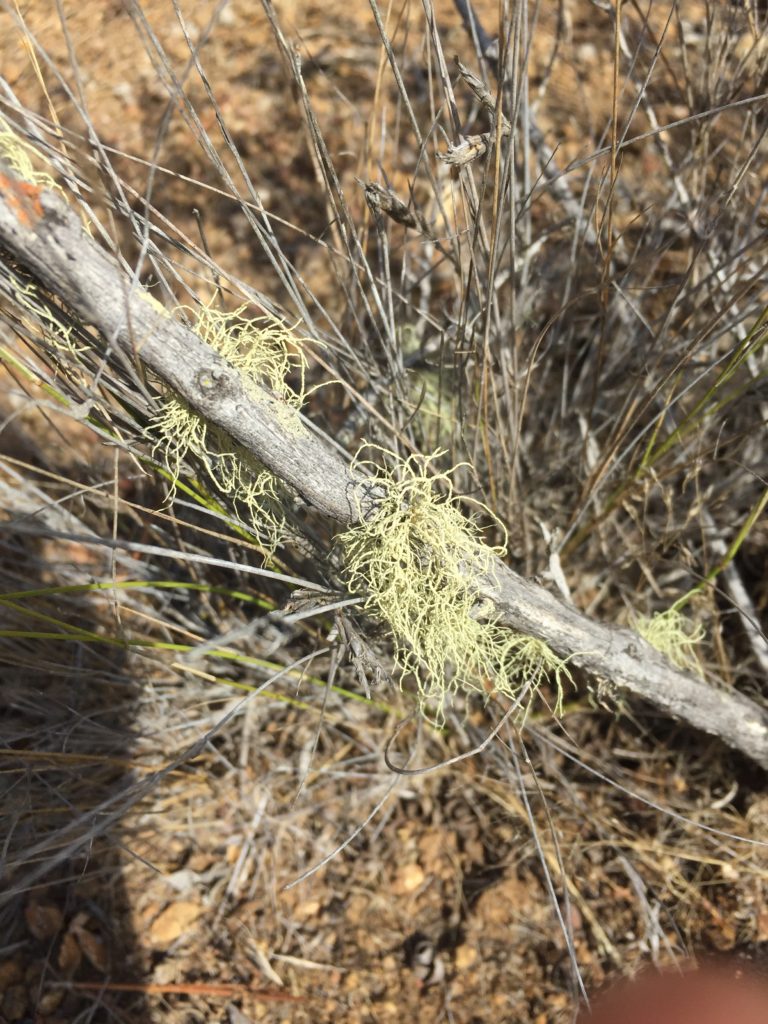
186 989
42 232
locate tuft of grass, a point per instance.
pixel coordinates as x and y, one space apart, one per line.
415 560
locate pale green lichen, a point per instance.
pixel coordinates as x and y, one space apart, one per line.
674 635
263 349
154 303
265 352
417 561
19 155
44 316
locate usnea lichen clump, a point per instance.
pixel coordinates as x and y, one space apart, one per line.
19 156
265 352
45 318
675 636
416 561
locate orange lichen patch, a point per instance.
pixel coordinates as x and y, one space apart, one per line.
23 198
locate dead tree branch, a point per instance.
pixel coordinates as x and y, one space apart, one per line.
40 231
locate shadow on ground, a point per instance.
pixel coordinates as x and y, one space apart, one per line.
66 737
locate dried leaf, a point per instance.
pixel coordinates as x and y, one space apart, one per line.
44 920
93 946
70 954
173 922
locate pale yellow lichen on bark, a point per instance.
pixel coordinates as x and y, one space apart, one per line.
674 635
416 561
265 353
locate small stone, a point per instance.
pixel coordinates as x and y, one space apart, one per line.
465 957
49 1001
409 878
307 909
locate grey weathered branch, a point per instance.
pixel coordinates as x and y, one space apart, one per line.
40 231
45 234
622 659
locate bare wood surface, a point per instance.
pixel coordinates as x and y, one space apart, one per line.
40 231
622 659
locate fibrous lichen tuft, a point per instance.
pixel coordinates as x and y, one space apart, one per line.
416 561
674 635
20 157
266 353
